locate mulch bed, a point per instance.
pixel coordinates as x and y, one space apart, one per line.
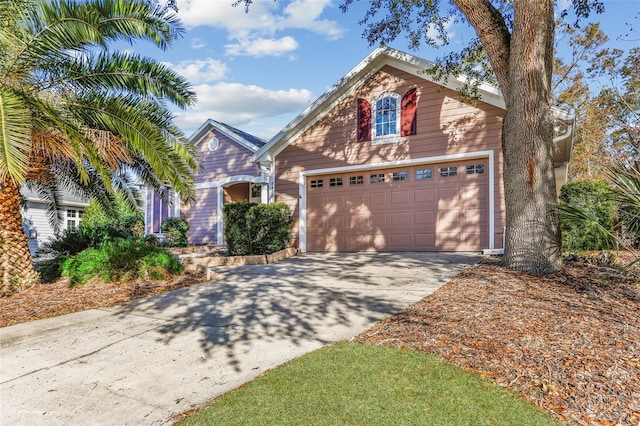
567 342
58 298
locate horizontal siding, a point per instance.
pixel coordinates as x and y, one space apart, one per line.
202 217
444 126
230 159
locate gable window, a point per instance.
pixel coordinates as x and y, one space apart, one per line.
388 118
387 115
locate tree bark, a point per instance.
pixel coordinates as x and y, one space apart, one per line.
523 64
16 267
533 240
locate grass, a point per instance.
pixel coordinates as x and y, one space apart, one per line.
355 384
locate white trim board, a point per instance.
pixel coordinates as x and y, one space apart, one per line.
302 185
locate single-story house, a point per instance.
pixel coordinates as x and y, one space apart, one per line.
227 175
35 218
387 159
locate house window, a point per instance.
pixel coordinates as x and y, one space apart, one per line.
449 171
392 117
377 178
400 176
387 115
335 181
256 191
356 180
317 183
73 218
423 174
477 169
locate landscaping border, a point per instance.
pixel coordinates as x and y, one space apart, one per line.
207 263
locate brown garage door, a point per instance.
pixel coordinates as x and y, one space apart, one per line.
435 207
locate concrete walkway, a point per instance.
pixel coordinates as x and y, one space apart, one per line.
144 361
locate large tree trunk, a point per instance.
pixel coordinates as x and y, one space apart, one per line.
522 62
16 265
533 241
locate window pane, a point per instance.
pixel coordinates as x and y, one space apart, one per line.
335 181
356 180
423 174
400 176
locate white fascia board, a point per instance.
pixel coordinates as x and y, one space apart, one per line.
302 185
231 180
199 135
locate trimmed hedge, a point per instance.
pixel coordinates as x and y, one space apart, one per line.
595 199
254 229
175 232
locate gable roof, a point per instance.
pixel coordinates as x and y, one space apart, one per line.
360 73
252 143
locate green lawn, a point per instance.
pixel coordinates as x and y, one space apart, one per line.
353 384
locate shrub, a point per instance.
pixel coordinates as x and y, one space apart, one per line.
252 228
175 232
594 202
121 260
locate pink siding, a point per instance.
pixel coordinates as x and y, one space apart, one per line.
444 126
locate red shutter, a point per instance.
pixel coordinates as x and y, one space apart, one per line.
364 120
408 113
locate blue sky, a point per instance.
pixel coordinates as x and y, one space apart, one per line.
258 70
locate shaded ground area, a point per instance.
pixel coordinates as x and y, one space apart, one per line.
568 342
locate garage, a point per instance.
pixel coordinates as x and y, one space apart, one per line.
429 207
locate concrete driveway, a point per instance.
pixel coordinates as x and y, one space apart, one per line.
144 361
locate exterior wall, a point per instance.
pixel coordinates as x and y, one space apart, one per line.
36 222
230 159
444 126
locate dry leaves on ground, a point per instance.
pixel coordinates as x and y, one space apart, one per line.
58 298
568 342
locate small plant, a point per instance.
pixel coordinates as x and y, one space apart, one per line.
587 213
121 260
175 232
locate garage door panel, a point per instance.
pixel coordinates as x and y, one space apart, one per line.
401 218
424 195
379 220
421 210
400 240
426 240
424 217
400 197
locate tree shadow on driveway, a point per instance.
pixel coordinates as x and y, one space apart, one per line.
319 298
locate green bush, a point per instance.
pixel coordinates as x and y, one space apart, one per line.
123 221
121 260
175 232
251 228
594 200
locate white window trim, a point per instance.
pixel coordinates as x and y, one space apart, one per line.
393 138
302 185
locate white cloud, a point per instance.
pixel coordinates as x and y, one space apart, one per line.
259 26
244 106
262 47
197 43
203 70
434 33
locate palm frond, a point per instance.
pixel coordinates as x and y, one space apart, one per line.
15 136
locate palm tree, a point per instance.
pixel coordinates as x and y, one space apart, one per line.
77 114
